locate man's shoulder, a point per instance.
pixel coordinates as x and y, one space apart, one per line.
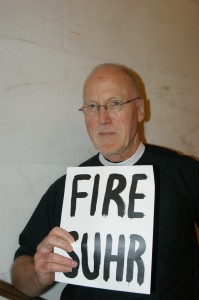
161 150
58 184
168 154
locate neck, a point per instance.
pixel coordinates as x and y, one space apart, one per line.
128 162
119 157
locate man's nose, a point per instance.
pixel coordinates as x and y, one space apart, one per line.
103 115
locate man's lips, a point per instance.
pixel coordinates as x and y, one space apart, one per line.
106 133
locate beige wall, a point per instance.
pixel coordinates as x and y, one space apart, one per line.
46 50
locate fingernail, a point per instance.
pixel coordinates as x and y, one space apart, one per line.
74 264
69 248
70 270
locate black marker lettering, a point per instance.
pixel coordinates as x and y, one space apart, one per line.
96 257
119 258
114 194
133 195
75 193
135 256
95 194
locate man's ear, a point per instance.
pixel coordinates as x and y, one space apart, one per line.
141 110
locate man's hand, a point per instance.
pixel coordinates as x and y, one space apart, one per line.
33 276
47 262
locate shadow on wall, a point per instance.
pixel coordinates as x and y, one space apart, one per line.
142 89
143 95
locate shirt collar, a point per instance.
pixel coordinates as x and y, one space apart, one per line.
129 162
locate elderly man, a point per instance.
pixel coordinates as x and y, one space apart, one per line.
113 110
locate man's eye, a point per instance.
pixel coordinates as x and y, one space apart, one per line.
116 102
91 106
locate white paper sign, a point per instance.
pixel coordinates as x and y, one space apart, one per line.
111 211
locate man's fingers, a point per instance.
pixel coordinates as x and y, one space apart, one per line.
62 233
52 262
57 237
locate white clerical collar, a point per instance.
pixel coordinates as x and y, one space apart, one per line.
129 162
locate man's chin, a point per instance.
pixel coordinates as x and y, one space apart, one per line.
109 153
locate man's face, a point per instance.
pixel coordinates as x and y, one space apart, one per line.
114 134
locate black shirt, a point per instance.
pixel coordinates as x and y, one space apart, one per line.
176 256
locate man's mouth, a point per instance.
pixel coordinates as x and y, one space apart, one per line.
106 133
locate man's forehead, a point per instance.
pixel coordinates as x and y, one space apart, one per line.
109 74
108 77
111 71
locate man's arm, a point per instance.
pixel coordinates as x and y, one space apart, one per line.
34 275
24 277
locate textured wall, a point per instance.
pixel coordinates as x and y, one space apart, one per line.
47 47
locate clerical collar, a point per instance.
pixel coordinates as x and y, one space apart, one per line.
129 162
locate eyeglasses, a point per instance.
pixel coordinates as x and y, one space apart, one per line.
91 108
